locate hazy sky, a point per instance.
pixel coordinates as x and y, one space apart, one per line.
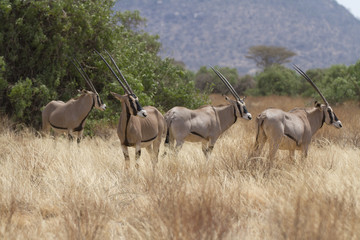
352 5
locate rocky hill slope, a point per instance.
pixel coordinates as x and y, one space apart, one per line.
219 32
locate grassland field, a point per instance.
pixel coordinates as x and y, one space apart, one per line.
61 190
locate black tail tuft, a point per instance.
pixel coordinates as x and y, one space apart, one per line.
167 140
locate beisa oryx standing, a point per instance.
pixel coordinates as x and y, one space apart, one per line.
293 130
71 116
139 127
204 124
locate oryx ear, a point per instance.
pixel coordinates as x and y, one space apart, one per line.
117 96
317 104
226 97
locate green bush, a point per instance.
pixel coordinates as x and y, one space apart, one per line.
276 80
3 82
354 78
38 38
206 80
335 84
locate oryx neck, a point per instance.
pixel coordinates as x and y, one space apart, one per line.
124 122
226 116
316 119
85 113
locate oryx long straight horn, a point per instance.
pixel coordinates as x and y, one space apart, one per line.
113 72
307 78
117 68
84 75
227 83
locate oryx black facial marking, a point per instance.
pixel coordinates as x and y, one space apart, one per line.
134 103
239 107
99 101
332 116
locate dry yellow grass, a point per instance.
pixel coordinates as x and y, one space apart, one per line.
58 190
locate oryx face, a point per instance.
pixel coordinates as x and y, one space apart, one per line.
240 108
330 116
135 107
132 104
99 104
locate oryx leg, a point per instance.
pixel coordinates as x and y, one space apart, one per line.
156 149
137 154
259 143
70 135
304 152
150 150
207 147
179 144
45 129
273 147
126 156
292 155
79 137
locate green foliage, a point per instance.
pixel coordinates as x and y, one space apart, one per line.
38 38
245 82
25 97
335 84
276 80
354 78
207 80
20 96
3 82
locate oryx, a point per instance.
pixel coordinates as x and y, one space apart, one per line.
71 116
293 130
204 124
138 127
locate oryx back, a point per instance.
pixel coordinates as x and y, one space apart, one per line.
190 125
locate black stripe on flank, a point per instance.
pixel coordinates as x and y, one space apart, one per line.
292 138
63 128
149 140
195 133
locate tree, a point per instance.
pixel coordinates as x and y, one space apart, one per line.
39 37
266 56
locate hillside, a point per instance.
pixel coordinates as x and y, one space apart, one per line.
218 32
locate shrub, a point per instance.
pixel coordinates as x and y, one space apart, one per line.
277 80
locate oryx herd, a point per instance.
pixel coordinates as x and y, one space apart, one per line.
144 127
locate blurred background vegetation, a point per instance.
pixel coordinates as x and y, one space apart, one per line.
37 39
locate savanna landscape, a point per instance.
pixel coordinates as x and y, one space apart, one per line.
57 189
